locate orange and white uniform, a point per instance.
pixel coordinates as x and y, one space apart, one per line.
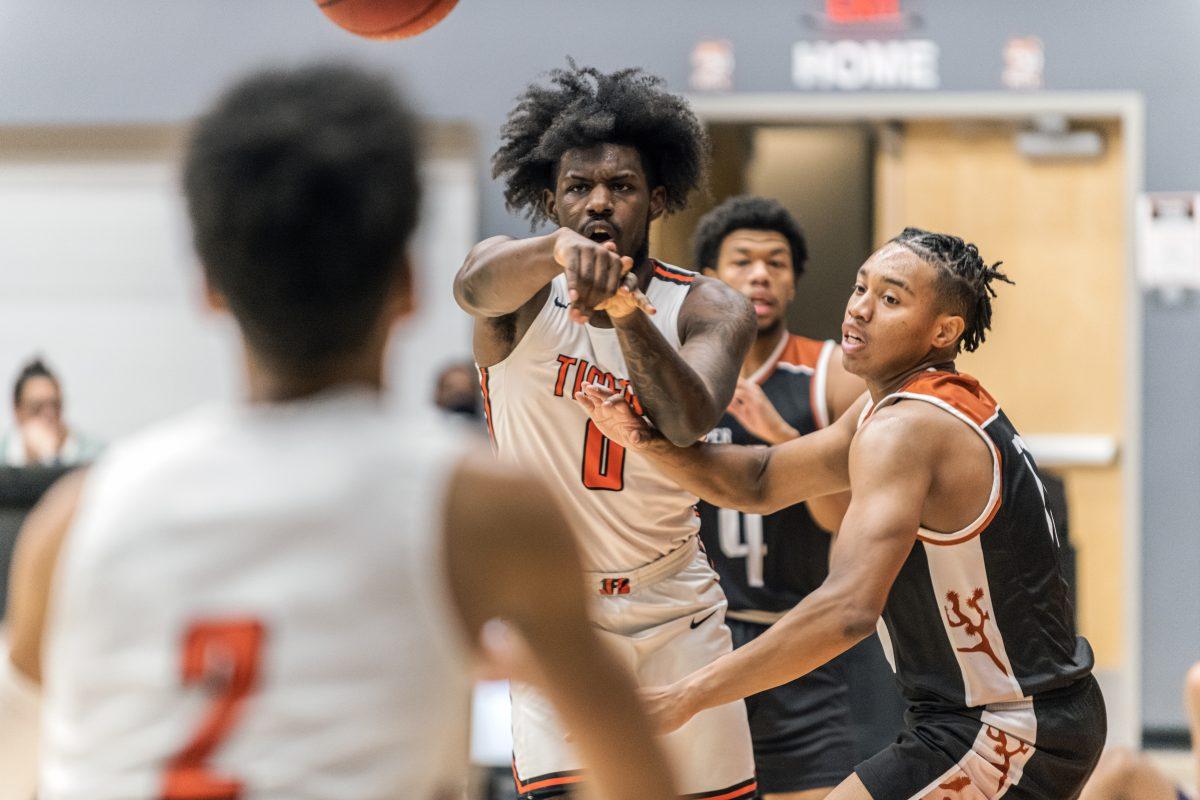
656 597
252 602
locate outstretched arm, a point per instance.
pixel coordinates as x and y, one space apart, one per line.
502 528
891 475
502 274
38 546
685 392
758 480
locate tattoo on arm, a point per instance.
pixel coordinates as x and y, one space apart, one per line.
686 392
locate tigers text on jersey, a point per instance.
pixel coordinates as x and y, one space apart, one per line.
981 615
256 598
770 563
626 512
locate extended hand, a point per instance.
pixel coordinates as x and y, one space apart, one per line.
666 707
613 416
752 408
594 271
629 298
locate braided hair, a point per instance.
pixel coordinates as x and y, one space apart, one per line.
584 107
964 279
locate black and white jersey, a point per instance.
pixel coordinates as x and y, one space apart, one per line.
770 563
981 615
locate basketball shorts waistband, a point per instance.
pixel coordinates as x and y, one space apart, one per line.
629 581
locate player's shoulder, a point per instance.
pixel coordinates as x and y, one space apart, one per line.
712 300
957 392
803 352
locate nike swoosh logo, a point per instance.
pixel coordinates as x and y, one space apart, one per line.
560 303
696 624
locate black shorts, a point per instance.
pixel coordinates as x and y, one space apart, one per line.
803 730
1044 749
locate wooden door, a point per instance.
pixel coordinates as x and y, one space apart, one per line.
1056 356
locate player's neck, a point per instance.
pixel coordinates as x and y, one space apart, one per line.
882 387
763 348
265 384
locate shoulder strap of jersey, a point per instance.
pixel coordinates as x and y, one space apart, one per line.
962 397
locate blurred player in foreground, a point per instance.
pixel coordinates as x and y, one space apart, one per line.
947 536
601 156
281 599
789 386
1126 775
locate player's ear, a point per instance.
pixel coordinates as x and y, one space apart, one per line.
402 299
948 330
214 300
658 201
549 205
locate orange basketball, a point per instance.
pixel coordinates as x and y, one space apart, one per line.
386 19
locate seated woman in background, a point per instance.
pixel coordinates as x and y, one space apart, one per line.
1128 775
40 436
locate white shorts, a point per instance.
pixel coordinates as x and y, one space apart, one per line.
665 620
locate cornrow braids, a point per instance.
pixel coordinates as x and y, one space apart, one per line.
964 279
583 107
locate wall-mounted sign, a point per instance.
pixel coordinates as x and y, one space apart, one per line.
851 65
849 11
712 66
1024 63
880 17
1169 242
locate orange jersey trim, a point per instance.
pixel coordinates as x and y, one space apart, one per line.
487 404
744 789
676 276
553 779
958 390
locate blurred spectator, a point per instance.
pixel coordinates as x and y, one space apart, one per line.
39 435
458 390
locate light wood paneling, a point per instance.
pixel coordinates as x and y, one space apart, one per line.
1055 358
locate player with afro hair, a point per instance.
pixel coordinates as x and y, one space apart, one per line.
599 156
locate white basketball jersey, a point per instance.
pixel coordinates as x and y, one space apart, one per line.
257 597
626 512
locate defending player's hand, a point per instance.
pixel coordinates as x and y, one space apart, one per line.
753 409
629 298
594 271
614 417
666 707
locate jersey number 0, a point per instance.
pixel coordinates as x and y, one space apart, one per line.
603 461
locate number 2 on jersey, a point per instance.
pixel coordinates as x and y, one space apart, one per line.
603 461
224 653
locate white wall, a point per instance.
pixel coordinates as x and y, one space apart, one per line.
97 275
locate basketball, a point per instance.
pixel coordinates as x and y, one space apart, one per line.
386 19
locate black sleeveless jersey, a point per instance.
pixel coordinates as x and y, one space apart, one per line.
770 563
982 615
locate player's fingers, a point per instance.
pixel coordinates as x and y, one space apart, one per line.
571 267
587 266
613 276
626 264
598 392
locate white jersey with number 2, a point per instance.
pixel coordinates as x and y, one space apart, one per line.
251 603
626 512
